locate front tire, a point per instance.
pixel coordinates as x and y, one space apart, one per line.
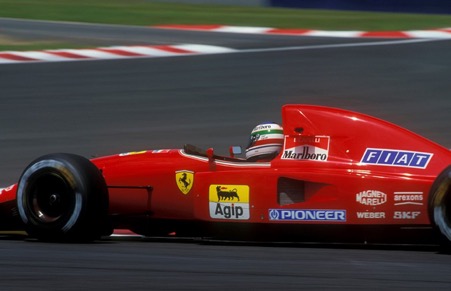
63 197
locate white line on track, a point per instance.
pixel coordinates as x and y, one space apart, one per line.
339 45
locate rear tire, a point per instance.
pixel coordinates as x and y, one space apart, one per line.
63 197
440 205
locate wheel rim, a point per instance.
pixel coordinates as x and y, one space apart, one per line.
52 198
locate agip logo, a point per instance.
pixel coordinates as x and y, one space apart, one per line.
307 148
184 180
229 202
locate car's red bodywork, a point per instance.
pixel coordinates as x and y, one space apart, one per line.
336 168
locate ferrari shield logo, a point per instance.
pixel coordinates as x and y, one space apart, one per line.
184 180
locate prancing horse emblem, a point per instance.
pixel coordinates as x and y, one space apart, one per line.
184 180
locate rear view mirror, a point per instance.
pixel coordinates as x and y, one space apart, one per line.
210 153
235 150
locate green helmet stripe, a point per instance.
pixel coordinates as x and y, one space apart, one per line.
268 131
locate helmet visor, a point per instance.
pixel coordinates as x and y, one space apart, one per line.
252 139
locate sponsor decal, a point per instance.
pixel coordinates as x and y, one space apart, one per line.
396 158
408 198
406 214
371 215
307 215
262 127
132 153
308 148
229 201
371 197
184 180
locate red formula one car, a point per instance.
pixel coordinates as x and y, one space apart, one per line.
340 175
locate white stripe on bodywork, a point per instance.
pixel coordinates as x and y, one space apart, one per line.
227 163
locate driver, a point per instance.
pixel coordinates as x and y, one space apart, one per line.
265 142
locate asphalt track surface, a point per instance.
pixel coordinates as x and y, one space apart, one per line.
104 107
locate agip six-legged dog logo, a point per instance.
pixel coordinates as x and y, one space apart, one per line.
227 195
229 202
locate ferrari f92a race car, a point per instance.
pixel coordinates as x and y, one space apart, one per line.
340 175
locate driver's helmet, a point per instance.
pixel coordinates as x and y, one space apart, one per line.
265 142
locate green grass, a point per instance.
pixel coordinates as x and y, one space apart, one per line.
147 13
37 46
141 12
